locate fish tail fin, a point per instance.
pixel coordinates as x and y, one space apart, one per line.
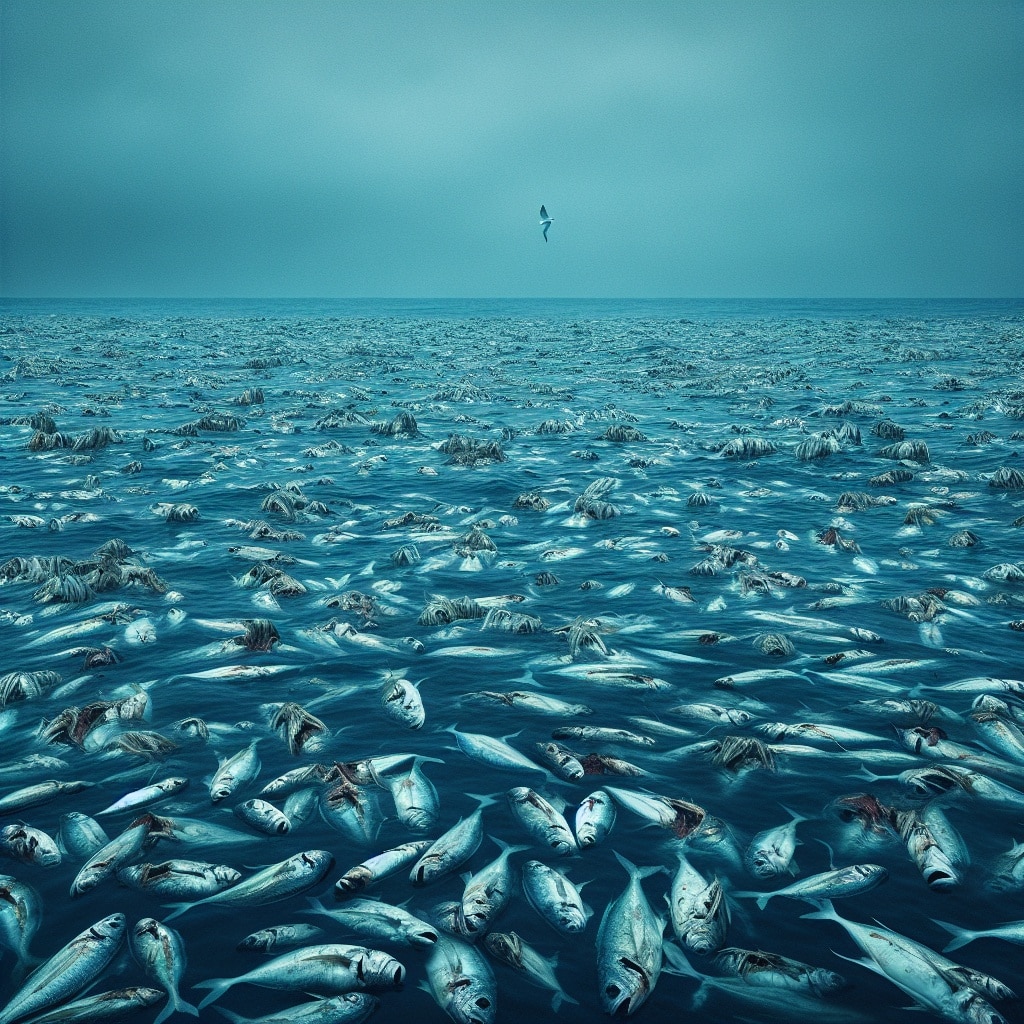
700 997
175 1005
831 855
825 912
793 814
235 1018
483 799
25 966
961 936
315 906
217 986
562 997
424 759
677 962
762 900
636 872
177 909
507 848
863 961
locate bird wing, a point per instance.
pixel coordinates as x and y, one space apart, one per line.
543 213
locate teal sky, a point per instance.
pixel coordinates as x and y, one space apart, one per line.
398 148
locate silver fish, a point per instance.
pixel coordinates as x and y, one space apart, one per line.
509 948
38 793
829 885
541 820
179 879
235 772
276 882
415 798
932 861
491 751
680 816
527 700
713 713
379 866
401 701
487 891
1007 870
451 850
595 817
21 912
29 845
263 816
894 957
296 779
160 952
379 920
350 1008
147 795
107 1006
124 847
352 810
1011 931
555 898
330 969
69 970
80 836
698 909
279 937
563 761
1000 734
770 970
601 734
462 982
770 853
629 946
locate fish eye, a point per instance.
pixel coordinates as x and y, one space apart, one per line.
483 1002
613 991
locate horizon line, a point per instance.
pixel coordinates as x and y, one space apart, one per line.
511 298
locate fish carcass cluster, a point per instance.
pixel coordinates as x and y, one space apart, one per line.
449 656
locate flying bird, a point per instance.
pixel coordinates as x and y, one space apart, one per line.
545 222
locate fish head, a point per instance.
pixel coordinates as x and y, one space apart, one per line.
563 845
352 881
257 942
422 936
419 818
470 1002
824 982
969 1005
571 919
505 946
314 862
110 928
766 863
379 969
625 986
866 872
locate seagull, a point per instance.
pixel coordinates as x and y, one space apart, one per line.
545 221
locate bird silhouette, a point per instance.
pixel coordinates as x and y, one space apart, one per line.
545 221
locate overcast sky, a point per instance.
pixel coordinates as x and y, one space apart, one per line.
399 148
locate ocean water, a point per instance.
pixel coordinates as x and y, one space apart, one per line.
695 424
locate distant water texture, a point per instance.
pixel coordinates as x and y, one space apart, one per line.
781 545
